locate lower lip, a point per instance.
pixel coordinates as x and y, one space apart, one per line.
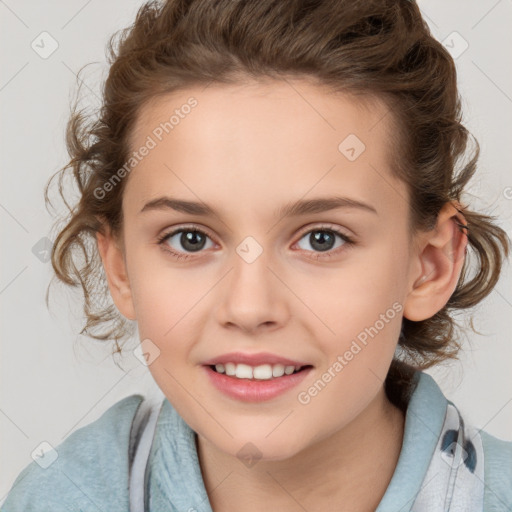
249 390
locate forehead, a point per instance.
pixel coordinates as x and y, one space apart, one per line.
263 142
226 106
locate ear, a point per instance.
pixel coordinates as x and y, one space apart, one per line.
114 264
439 258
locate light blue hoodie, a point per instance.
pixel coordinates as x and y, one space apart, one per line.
440 460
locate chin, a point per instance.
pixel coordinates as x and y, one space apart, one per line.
250 450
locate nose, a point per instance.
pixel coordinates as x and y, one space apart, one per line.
252 296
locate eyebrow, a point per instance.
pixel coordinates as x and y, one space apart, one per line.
301 207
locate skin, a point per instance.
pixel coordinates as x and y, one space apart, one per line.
246 150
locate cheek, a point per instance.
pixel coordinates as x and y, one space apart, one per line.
355 294
170 305
356 313
162 294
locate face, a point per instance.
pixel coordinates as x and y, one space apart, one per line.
324 287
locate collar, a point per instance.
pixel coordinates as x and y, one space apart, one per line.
423 425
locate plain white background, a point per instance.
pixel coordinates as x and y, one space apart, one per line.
53 380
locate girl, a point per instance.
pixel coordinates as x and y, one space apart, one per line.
274 192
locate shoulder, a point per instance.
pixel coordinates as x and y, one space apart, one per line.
498 472
90 471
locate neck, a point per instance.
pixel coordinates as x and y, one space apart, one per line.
337 470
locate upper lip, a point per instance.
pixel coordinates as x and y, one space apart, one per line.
254 359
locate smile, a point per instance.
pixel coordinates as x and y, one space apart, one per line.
255 384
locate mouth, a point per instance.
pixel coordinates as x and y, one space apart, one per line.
259 385
258 373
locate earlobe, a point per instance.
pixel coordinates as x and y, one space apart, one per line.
117 276
441 257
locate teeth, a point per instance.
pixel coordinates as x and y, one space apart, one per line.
262 372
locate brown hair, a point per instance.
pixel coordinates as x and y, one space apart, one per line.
372 48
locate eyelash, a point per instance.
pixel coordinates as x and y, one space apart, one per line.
349 242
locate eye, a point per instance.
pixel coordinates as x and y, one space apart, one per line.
323 238
190 239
